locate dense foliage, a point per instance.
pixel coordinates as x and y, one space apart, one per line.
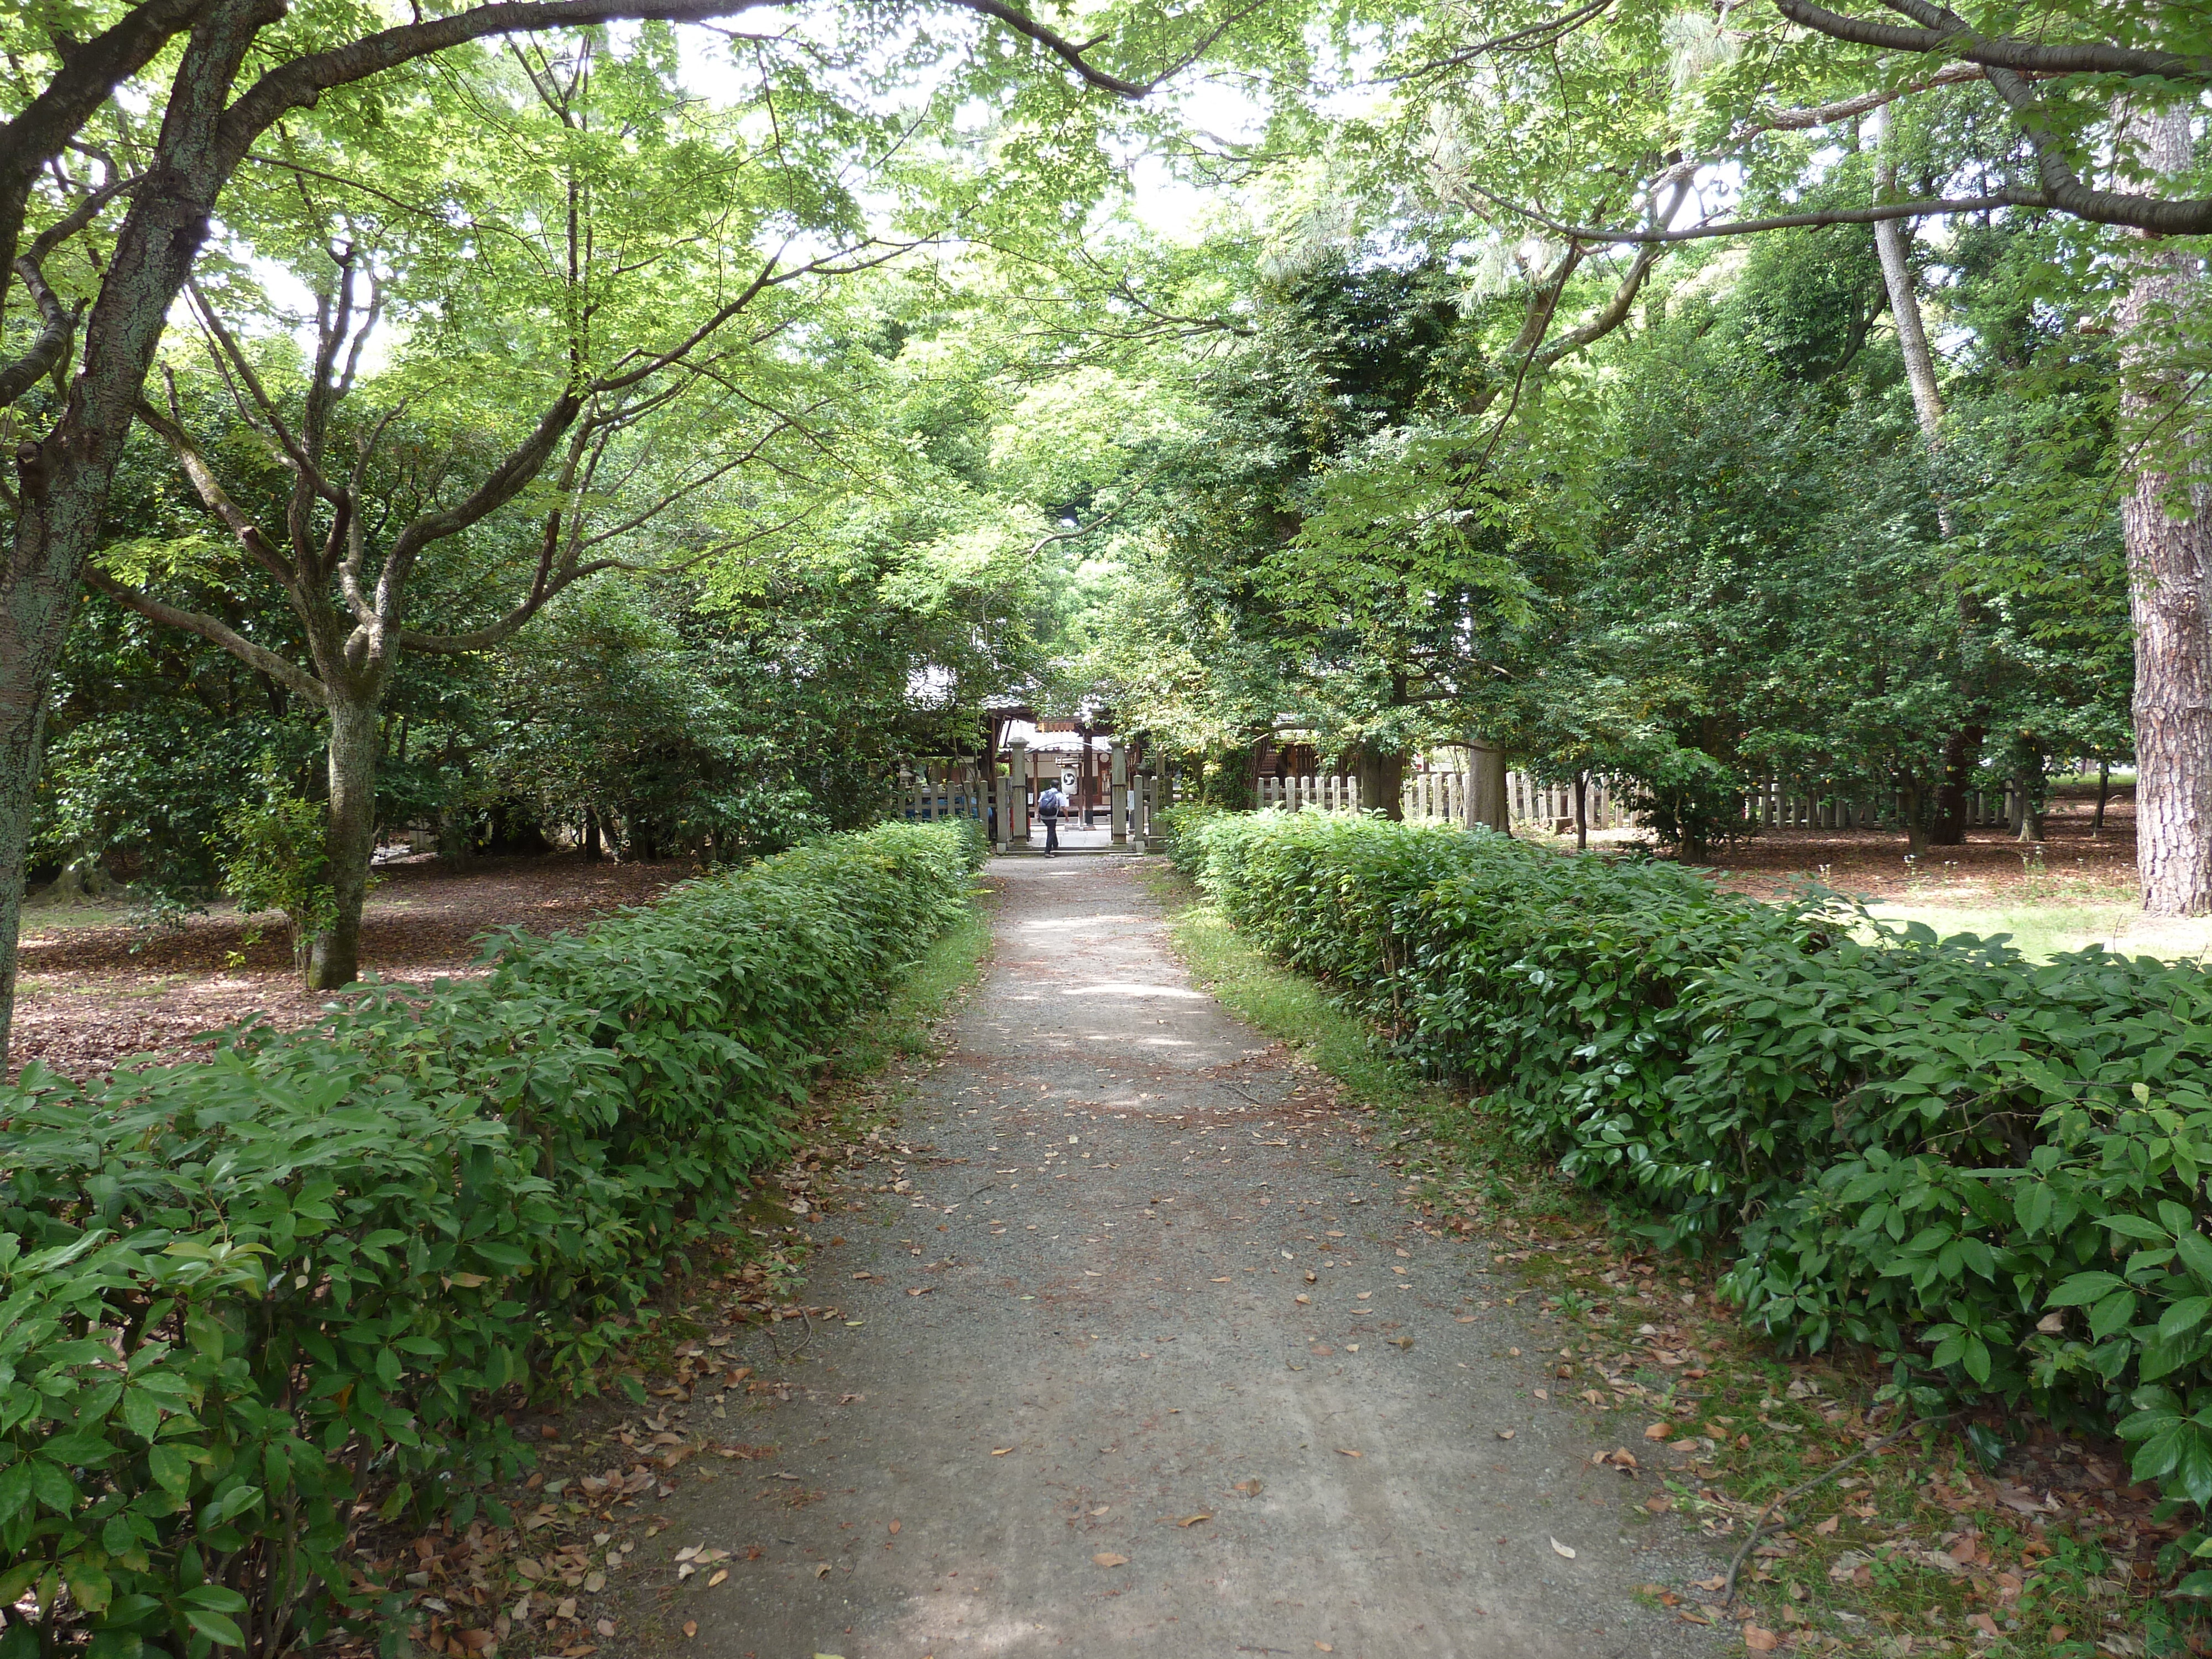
1991 1171
241 1297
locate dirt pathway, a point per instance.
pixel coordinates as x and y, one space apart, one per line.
1091 1321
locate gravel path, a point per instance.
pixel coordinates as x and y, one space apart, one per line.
1090 1404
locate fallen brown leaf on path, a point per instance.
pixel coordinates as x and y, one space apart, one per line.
895 1527
721 1573
1193 1520
1250 1488
1827 1529
1659 1431
1760 1640
920 1290
1558 1548
1108 1558
821 1570
691 1627
1505 1434
1001 1451
1347 1451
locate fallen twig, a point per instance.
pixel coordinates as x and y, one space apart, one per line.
1759 1525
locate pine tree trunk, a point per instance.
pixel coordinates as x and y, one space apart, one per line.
2168 531
334 956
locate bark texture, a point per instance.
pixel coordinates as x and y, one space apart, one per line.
1382 776
333 957
2168 530
1487 805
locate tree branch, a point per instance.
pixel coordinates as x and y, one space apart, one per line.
482 638
227 344
217 499
88 77
57 328
302 81
1943 31
508 480
208 628
1535 37
1602 235
1804 116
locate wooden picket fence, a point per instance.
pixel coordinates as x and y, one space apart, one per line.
1440 798
931 792
1788 804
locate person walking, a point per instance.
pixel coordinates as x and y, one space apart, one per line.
1048 808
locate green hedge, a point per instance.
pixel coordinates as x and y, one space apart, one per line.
240 1297
1991 1170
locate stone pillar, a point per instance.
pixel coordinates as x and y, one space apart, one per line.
1120 797
1018 789
1002 807
1485 786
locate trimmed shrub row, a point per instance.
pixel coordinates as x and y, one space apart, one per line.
1992 1171
242 1301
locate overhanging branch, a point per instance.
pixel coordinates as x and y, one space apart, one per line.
1937 30
208 628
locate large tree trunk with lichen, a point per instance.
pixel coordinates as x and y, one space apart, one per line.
62 480
2167 525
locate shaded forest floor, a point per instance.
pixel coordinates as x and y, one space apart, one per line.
2076 887
95 988
1994 866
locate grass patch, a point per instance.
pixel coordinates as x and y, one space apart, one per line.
905 1027
1465 1154
1289 1007
2040 931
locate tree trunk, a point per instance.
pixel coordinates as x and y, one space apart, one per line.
1962 751
1889 241
2103 794
2168 531
333 957
22 723
1916 821
1487 807
1582 811
592 850
1382 776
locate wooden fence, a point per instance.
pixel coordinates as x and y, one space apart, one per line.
1790 804
932 793
928 794
1440 798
